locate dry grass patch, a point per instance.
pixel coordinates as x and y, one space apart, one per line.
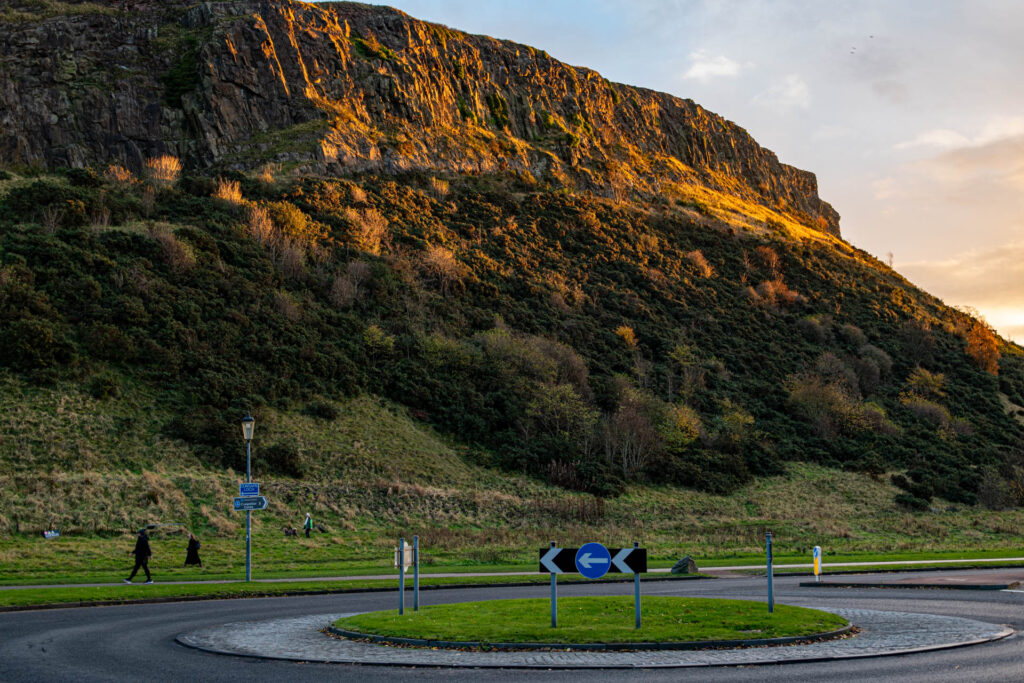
229 191
164 170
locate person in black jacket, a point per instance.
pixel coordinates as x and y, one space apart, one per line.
142 554
192 551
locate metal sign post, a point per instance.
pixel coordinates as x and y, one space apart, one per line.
636 590
401 576
771 594
817 564
415 573
248 513
554 594
593 561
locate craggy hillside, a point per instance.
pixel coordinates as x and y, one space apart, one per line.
346 87
284 208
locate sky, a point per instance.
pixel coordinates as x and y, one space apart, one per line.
910 112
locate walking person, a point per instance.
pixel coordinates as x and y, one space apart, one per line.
142 554
308 524
192 551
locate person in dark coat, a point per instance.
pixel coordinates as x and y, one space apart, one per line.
142 554
192 552
308 524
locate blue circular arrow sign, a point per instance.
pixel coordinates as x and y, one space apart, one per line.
593 560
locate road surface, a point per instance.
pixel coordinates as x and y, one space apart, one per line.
136 642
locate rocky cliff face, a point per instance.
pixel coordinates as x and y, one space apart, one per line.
344 87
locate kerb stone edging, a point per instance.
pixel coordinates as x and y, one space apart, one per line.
600 647
303 639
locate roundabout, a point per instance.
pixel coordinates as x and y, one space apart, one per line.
307 639
927 634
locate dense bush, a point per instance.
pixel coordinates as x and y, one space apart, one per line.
575 339
280 458
322 410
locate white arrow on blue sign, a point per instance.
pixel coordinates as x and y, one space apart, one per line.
249 488
593 560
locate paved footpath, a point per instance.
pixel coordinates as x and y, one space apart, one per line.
439 575
301 639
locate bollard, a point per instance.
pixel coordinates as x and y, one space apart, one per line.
401 576
554 597
771 595
636 592
415 573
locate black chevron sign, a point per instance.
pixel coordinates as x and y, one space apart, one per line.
563 560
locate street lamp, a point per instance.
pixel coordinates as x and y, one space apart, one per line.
248 422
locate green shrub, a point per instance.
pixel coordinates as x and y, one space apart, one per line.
183 77
465 112
35 344
911 502
83 177
321 410
26 203
499 109
281 459
104 386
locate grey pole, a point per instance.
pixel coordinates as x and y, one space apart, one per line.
248 514
415 573
401 576
771 594
554 597
636 591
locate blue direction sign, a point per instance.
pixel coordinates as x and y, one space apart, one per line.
593 560
251 503
249 488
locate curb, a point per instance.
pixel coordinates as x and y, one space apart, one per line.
597 647
952 586
550 661
299 593
879 570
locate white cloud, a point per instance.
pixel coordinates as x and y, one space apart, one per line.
997 128
886 188
789 94
938 137
704 67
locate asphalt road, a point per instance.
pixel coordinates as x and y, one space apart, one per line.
136 642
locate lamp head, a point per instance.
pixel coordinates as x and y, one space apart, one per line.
248 422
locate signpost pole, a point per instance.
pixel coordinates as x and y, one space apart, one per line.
401 576
636 591
817 564
554 596
248 514
415 573
771 594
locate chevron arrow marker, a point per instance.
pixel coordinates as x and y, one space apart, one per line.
548 561
619 561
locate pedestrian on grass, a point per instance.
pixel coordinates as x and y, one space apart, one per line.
192 551
308 524
142 554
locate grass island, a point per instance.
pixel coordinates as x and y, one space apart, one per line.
589 620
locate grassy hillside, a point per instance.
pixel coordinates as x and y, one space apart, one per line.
486 361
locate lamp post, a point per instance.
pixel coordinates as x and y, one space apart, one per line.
247 426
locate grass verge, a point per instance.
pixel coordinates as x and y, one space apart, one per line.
596 620
88 595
